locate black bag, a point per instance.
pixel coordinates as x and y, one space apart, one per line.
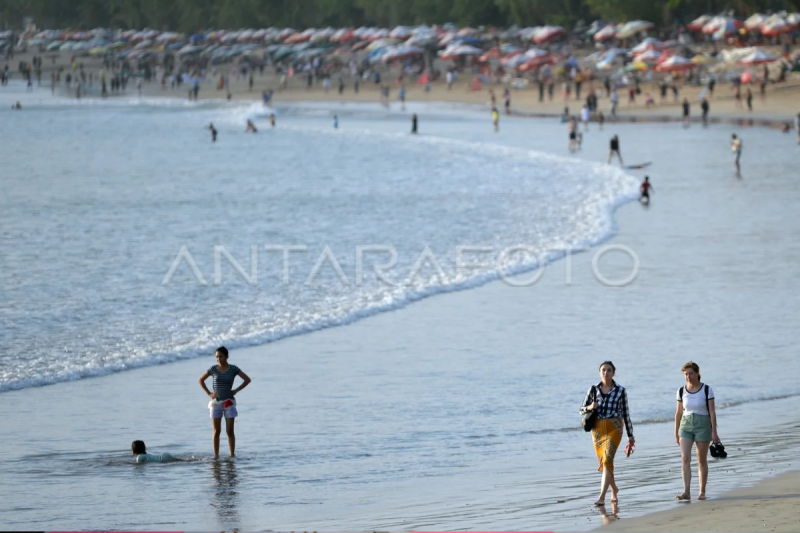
588 418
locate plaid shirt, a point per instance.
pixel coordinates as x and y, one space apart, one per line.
611 405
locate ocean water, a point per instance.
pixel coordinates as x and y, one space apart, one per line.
105 196
458 411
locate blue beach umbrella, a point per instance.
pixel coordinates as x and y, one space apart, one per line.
196 38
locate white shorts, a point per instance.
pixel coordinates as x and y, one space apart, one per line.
216 409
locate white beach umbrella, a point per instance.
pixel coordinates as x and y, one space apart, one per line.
400 32
698 23
758 57
755 21
777 27
632 28
609 32
547 34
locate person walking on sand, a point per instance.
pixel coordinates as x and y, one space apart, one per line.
507 98
222 399
609 401
614 149
695 424
736 148
749 99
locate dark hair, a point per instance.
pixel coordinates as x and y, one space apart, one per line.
693 366
223 350
609 363
138 447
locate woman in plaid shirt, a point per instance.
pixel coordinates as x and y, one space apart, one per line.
610 401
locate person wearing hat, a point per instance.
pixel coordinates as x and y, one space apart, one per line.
695 425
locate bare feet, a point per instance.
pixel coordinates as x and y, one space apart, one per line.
683 497
701 497
600 503
614 496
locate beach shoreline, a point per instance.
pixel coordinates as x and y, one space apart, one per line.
779 107
770 505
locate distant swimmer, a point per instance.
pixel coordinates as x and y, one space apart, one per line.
614 149
335 122
572 129
251 128
213 132
141 456
645 189
16 106
736 148
496 119
414 123
272 119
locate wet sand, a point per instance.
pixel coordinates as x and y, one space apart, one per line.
772 505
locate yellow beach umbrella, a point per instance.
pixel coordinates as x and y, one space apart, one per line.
637 65
701 60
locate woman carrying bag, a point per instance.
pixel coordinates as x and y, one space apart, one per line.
695 424
607 404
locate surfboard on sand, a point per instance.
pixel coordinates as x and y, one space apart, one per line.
640 165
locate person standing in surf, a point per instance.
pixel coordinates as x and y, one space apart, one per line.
645 189
222 399
695 424
213 132
736 148
610 402
614 149
414 124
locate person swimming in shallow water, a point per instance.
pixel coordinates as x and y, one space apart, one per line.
141 456
251 128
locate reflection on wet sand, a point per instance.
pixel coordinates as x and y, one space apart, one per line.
608 518
225 498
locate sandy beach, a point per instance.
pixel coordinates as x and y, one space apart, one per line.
781 103
772 505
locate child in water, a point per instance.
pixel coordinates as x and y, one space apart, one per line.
141 456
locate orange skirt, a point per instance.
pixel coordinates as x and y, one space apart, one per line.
606 435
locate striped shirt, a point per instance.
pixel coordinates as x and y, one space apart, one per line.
223 381
611 405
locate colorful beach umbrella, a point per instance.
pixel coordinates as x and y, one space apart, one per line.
755 21
648 44
777 27
675 63
547 34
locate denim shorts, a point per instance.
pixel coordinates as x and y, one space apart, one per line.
695 427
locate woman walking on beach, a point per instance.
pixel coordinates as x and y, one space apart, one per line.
695 423
610 403
222 399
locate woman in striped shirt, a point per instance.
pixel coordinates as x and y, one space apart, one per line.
610 401
222 401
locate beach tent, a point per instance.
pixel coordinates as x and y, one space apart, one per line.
698 23
758 57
